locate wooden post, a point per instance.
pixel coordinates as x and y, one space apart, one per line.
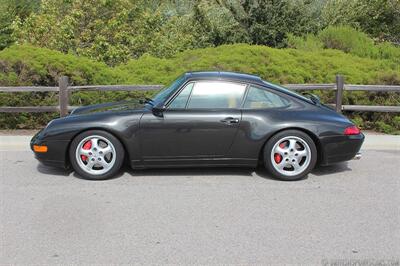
63 95
339 92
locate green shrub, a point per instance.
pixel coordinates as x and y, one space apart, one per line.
276 65
382 126
396 121
388 51
348 40
358 121
27 65
309 42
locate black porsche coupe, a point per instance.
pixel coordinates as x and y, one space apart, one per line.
202 119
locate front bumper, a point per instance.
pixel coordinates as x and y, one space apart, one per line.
341 148
56 154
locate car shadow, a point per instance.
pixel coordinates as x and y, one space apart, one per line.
204 171
56 171
258 172
49 170
215 171
331 169
193 172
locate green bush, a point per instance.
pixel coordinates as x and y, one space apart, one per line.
357 120
28 65
382 126
276 65
378 18
309 42
348 40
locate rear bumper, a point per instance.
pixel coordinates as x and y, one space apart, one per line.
341 148
56 155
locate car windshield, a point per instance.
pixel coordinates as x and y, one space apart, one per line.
165 93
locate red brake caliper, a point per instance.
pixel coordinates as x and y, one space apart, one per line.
86 146
277 156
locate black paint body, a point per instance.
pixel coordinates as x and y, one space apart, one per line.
197 137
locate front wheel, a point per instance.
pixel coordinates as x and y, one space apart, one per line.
290 155
96 155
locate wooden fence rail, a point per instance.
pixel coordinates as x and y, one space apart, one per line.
64 90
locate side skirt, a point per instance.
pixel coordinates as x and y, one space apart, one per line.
206 162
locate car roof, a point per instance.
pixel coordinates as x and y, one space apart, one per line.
223 75
248 78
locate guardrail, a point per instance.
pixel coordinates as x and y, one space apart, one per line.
64 90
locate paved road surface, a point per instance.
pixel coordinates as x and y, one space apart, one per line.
200 216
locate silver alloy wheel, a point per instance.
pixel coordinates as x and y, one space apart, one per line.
95 155
291 156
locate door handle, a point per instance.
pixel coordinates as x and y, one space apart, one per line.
230 120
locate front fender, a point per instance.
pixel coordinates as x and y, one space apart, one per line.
60 132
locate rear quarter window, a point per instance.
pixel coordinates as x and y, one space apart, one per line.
258 98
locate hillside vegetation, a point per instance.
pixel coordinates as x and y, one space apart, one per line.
28 65
154 41
115 31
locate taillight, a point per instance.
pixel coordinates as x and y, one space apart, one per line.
352 130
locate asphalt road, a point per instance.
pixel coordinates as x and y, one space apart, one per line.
200 216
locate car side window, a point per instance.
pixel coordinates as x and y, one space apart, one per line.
216 94
260 98
180 101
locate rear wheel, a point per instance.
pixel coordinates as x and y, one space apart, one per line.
290 155
96 155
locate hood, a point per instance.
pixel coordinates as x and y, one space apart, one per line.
108 107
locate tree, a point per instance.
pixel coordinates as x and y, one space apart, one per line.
217 23
379 18
9 10
112 31
268 22
99 29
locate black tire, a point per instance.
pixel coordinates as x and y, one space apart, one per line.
279 136
119 150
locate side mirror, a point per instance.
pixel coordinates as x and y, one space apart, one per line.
159 109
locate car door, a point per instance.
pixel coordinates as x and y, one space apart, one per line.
200 122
